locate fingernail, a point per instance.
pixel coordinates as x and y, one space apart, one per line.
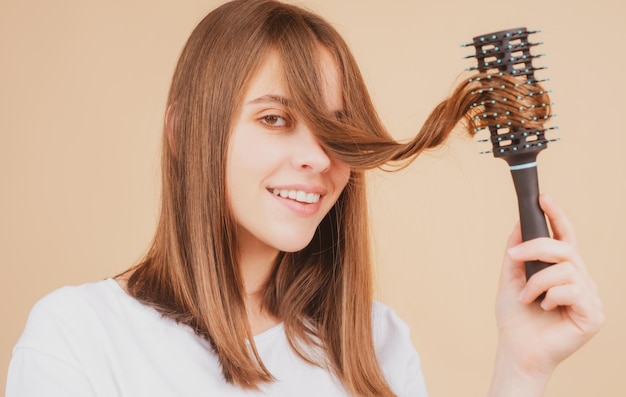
514 251
522 295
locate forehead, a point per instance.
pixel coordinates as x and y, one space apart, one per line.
270 79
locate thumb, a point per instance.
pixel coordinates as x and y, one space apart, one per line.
512 274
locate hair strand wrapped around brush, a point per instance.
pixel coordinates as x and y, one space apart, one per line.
484 100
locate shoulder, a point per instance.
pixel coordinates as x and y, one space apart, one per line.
69 311
396 354
389 328
386 317
77 294
97 336
62 329
72 301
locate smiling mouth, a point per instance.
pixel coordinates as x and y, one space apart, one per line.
297 195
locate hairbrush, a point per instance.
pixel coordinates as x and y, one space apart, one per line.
508 101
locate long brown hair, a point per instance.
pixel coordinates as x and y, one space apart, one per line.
323 294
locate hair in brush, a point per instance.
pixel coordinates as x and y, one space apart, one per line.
504 103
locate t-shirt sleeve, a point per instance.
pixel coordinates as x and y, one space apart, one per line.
398 358
34 373
43 362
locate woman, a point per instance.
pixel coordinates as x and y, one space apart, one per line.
259 280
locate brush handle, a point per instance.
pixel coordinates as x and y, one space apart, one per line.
532 218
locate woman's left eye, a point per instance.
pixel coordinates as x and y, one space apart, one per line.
274 121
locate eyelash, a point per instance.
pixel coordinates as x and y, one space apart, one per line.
264 121
287 123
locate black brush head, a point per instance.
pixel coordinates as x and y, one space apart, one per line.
507 98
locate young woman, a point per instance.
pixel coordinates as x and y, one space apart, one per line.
259 278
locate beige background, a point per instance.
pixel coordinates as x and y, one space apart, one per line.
82 91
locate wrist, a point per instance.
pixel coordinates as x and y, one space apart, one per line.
515 377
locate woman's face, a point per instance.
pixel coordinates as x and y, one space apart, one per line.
280 181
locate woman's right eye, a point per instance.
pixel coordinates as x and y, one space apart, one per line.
274 121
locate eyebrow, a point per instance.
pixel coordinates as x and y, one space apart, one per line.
270 99
339 114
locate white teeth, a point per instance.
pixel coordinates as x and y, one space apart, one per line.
298 195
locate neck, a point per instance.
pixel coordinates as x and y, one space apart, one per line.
256 262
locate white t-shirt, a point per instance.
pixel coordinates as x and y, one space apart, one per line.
95 340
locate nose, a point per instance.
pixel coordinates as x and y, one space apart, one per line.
308 153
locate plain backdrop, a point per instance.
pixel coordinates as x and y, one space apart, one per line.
82 92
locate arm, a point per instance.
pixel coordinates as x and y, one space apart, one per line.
534 337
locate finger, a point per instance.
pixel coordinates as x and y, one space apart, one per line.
551 277
582 308
570 295
560 224
547 250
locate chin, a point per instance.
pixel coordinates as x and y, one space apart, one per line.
295 247
294 243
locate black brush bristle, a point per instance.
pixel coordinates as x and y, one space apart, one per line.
506 51
509 100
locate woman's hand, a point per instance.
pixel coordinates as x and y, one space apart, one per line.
534 337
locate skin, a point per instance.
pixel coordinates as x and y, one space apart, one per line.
271 152
535 337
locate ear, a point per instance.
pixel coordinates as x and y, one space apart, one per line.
170 130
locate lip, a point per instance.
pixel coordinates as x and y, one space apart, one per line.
296 207
317 189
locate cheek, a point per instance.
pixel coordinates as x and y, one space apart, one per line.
249 158
252 148
341 175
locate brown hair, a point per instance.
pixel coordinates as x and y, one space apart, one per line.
323 294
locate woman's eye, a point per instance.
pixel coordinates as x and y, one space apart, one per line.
274 121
